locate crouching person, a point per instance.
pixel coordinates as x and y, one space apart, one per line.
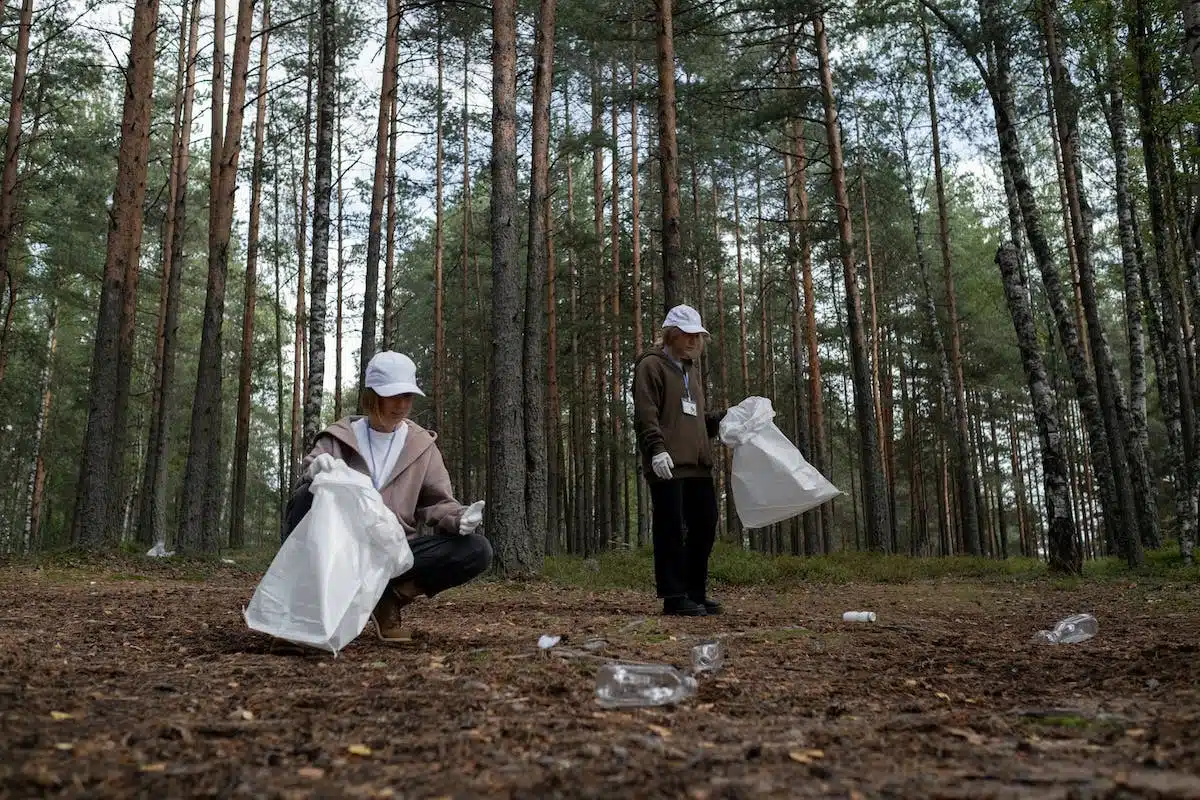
403 462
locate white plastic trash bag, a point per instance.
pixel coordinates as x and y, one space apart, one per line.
771 480
333 568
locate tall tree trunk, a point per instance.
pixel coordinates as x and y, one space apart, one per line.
439 246
518 551
533 356
464 384
1173 381
962 461
635 221
616 470
152 515
1130 470
322 190
1131 270
874 499
1064 550
389 258
12 145
668 155
341 267
37 473
387 97
94 523
282 442
816 405
300 361
201 508
241 439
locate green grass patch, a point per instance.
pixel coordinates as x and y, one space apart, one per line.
732 566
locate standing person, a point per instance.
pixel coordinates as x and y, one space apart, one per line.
405 465
673 431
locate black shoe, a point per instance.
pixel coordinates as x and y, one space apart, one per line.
711 607
683 607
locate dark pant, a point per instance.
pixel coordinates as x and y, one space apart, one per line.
439 561
681 565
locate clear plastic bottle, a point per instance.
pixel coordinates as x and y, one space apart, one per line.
708 657
1072 629
638 685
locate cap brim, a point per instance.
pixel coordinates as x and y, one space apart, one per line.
692 328
393 389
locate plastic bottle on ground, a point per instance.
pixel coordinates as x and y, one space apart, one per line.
639 685
1072 629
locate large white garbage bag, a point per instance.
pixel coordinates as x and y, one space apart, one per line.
771 480
329 574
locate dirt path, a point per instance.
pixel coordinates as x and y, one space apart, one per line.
155 688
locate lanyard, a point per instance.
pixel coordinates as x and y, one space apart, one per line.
375 478
687 389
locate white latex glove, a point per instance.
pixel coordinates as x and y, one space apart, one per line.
472 518
662 465
322 463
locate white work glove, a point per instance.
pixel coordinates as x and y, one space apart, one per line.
662 465
322 463
471 519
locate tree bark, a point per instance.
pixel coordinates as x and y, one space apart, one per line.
152 514
94 521
389 257
1173 383
322 191
874 500
533 355
37 473
201 508
439 246
241 439
299 356
12 144
517 550
1064 552
387 96
668 155
1130 471
341 267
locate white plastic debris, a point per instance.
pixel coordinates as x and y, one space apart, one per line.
708 657
858 616
228 561
546 641
160 551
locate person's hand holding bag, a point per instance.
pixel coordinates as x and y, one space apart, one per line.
472 518
662 465
322 463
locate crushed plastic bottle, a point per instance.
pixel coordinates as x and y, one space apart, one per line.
640 685
1073 629
708 657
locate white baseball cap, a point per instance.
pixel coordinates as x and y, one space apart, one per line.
390 373
684 317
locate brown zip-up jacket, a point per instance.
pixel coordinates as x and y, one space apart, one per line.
659 421
418 491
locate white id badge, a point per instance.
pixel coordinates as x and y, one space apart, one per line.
689 407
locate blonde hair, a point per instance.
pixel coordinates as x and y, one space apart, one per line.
667 337
369 401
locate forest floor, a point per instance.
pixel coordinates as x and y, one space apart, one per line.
120 684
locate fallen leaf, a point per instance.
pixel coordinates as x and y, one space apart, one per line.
660 730
942 695
1135 733
806 756
59 716
910 682
233 684
312 773
971 736
65 746
157 767
359 750
705 707
244 714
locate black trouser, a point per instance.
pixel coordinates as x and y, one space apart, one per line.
681 566
439 561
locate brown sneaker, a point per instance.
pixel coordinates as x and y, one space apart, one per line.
386 617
